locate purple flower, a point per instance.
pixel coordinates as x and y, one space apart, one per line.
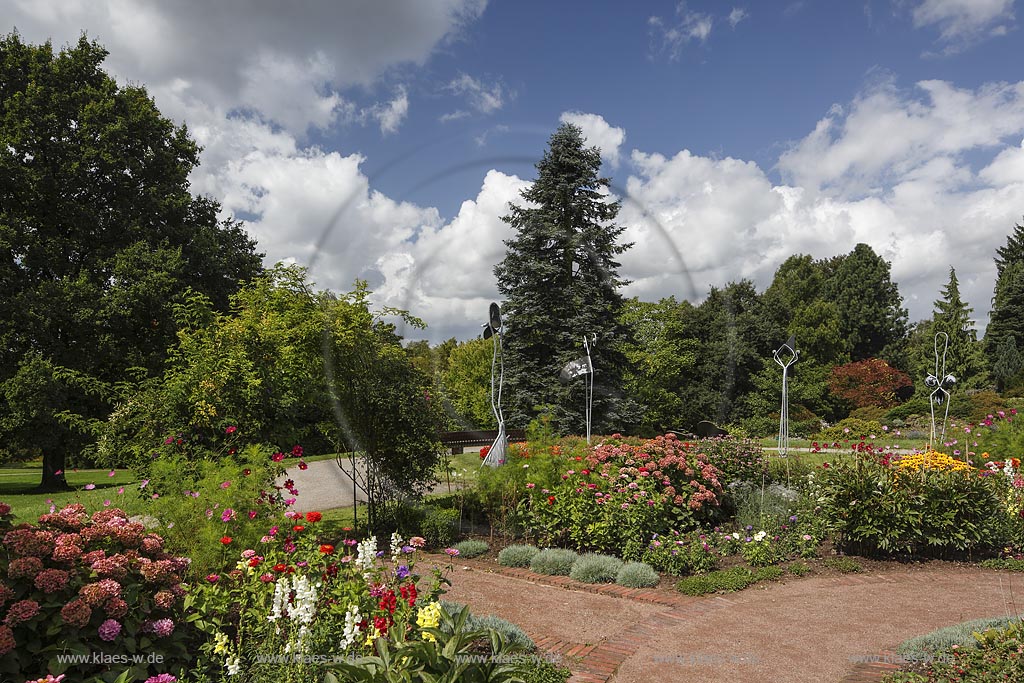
110 629
162 678
163 627
90 487
227 515
402 572
380 553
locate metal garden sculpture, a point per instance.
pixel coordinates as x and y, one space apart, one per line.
940 387
580 367
492 329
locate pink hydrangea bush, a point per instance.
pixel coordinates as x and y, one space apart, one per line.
617 495
81 584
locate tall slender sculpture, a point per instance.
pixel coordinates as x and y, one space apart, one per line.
940 387
492 329
785 359
583 366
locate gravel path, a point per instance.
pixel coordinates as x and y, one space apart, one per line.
810 630
323 485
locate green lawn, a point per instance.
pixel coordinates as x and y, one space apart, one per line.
16 485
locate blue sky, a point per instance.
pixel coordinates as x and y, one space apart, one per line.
384 140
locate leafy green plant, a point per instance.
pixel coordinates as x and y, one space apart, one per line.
762 550
921 648
798 568
721 581
595 568
737 458
679 554
517 555
439 526
556 561
637 575
471 547
1009 564
450 652
846 565
996 657
544 671
511 633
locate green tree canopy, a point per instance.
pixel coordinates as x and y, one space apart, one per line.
99 238
560 281
467 385
1007 314
870 304
965 358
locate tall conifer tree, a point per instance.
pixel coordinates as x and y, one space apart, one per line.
560 282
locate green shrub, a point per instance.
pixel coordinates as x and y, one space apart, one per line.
738 459
554 561
762 550
851 429
767 574
961 635
471 547
544 671
722 581
930 511
594 568
509 631
1008 564
517 555
846 565
799 568
679 554
637 575
439 526
762 509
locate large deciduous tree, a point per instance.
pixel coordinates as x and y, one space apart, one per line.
99 237
560 281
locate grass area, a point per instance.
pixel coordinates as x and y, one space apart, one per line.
726 580
16 485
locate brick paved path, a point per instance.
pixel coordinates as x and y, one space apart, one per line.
809 630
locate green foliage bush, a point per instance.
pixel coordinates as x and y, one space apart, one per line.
996 657
924 647
637 575
509 631
554 561
737 458
517 555
762 509
440 526
846 565
798 568
1007 564
471 547
195 503
851 428
595 568
929 511
680 554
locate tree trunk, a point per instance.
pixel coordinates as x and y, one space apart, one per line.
53 462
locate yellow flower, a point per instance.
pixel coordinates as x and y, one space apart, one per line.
429 617
373 635
220 644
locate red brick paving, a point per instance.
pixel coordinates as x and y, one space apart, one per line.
809 630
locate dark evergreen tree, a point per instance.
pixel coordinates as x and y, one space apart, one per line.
1007 315
560 281
99 238
1006 370
965 358
870 305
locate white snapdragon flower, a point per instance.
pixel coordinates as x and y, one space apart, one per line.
396 546
1008 468
280 605
234 666
351 631
367 555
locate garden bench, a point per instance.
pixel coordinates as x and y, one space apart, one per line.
457 441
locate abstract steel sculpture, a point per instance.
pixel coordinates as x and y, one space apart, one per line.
785 356
940 387
577 368
492 328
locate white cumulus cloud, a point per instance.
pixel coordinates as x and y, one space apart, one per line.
598 132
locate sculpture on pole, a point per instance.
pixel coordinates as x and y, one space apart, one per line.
940 387
785 356
583 366
492 329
